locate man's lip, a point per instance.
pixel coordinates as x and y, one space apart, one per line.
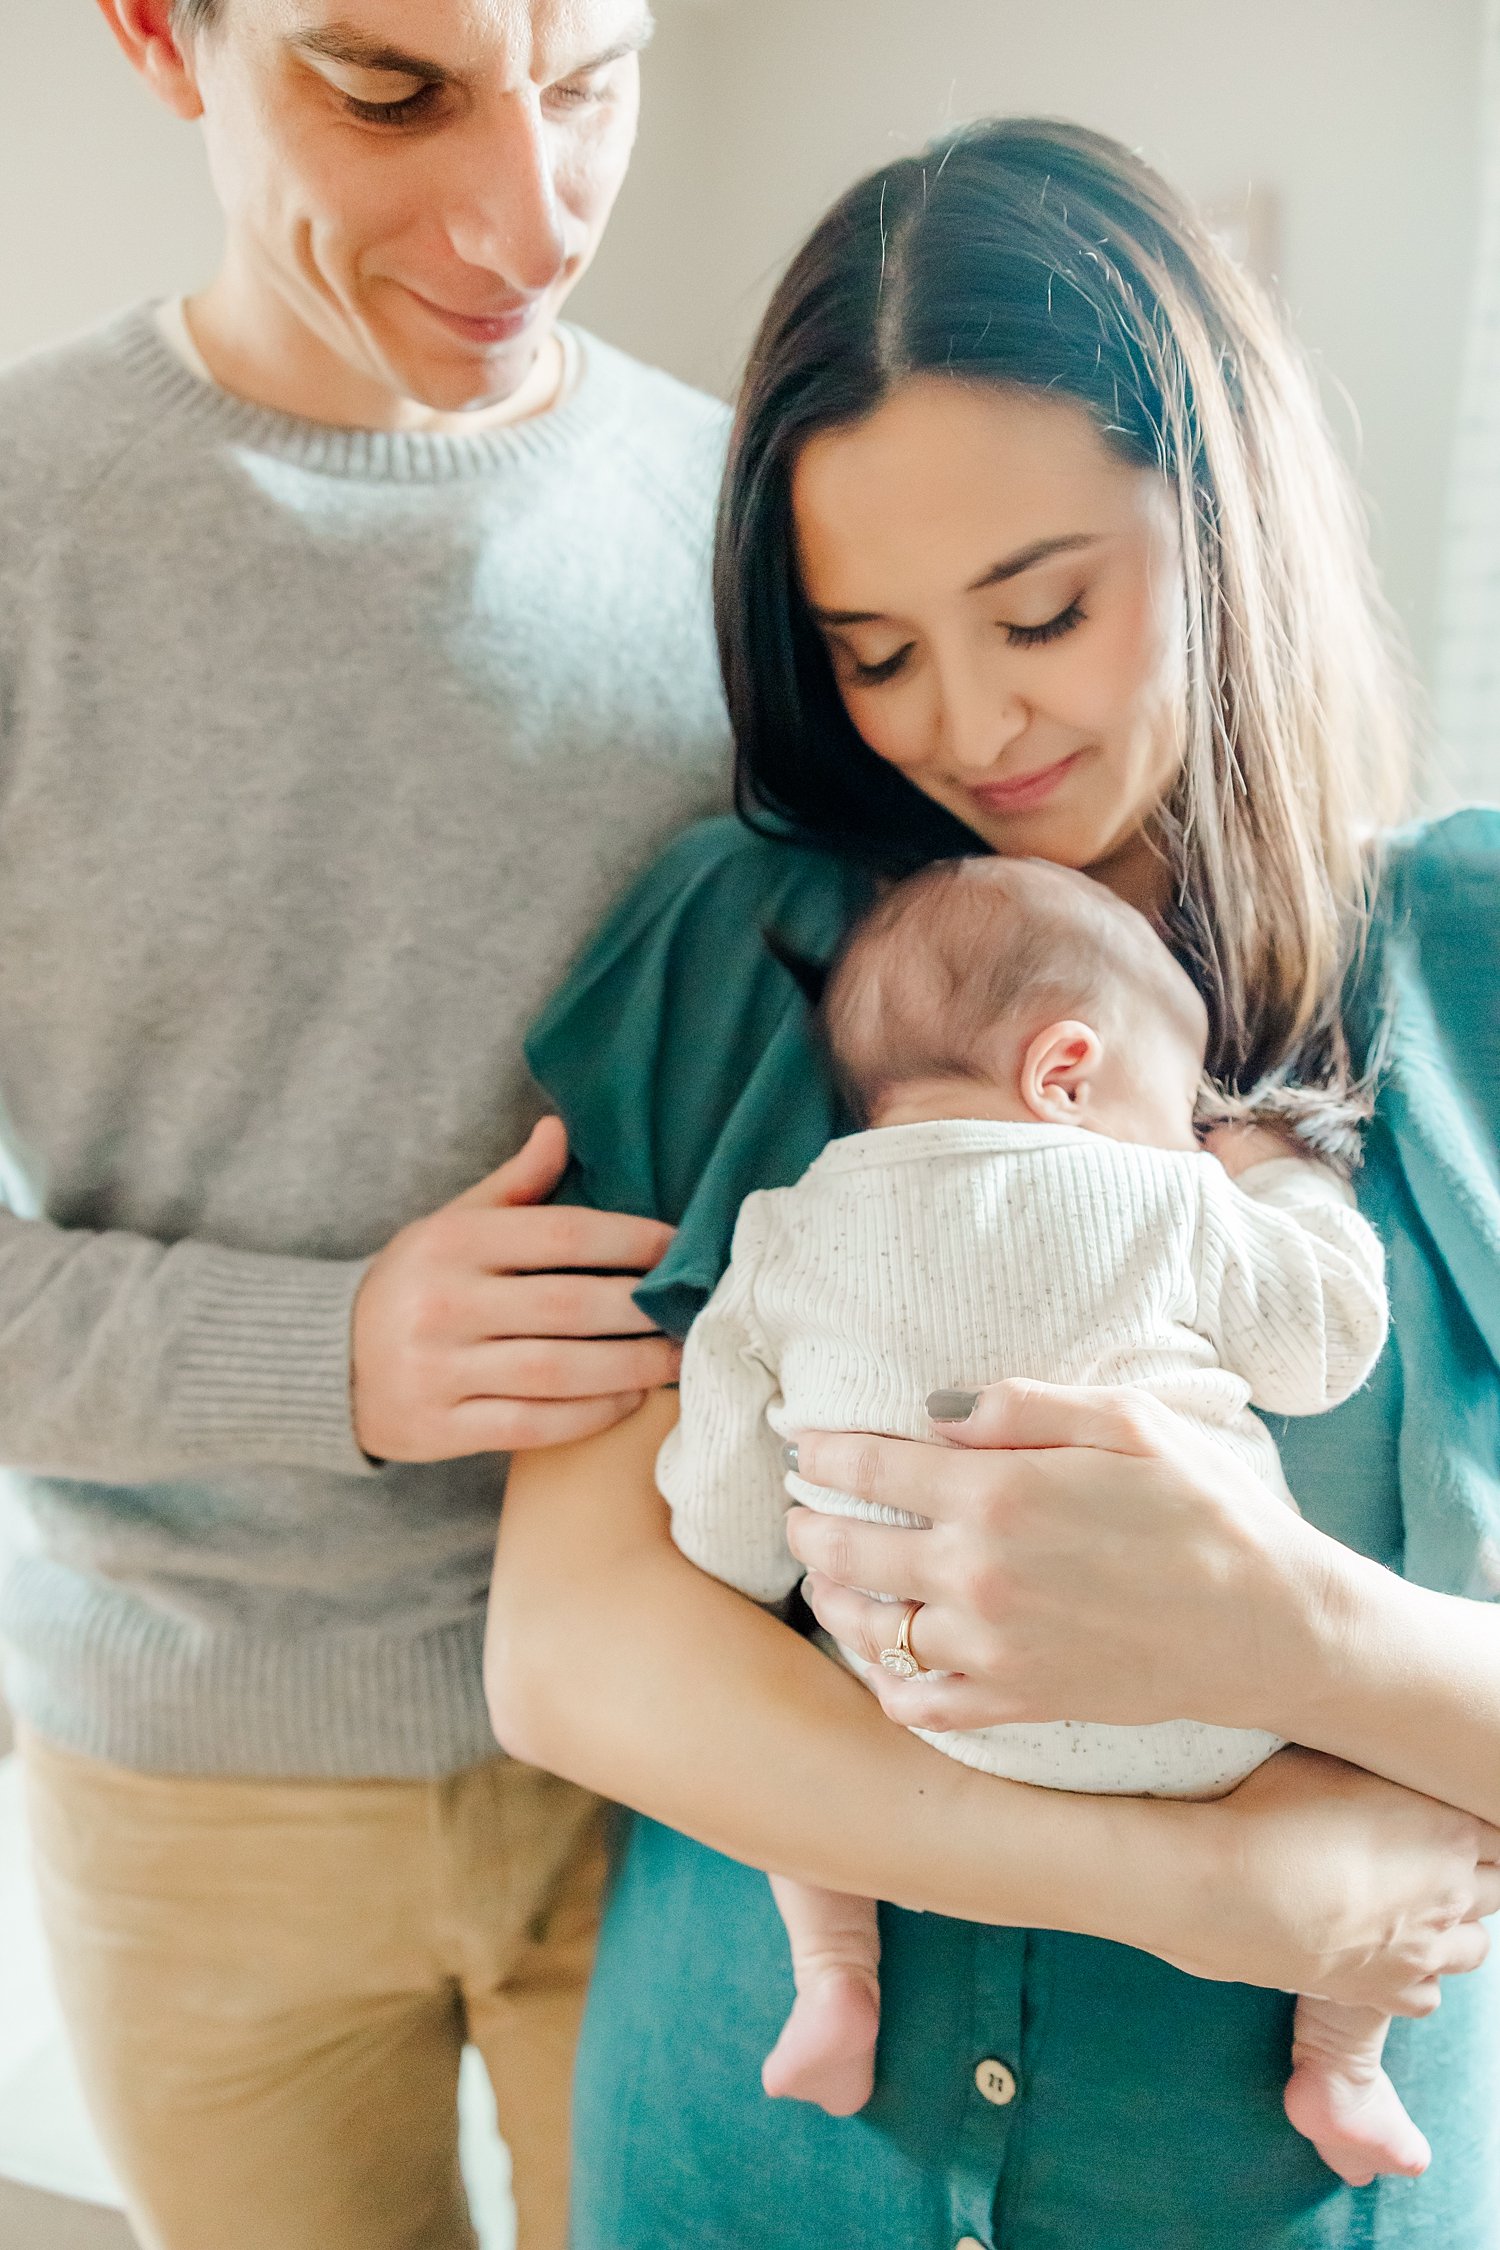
482 328
1027 789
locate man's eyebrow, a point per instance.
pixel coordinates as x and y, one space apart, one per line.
1011 566
345 43
629 43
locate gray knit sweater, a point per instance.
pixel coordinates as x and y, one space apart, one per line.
320 753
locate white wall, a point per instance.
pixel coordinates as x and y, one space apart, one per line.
1361 114
104 198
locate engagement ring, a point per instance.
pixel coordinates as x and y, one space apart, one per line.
900 1659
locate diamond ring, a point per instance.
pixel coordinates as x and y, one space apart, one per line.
900 1659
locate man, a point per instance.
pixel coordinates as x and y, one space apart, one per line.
354 648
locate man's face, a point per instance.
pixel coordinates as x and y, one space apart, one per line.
421 182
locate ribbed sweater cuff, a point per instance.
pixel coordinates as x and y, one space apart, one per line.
1296 1178
262 1375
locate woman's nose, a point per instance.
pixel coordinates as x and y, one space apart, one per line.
981 718
506 220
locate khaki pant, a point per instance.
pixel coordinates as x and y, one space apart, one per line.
269 1984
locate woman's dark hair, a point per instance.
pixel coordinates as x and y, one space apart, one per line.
1031 254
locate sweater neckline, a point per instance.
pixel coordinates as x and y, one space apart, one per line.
376 456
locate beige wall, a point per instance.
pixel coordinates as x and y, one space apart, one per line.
103 196
1360 114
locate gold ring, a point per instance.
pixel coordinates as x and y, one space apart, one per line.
900 1659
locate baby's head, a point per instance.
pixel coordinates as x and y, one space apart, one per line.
1014 989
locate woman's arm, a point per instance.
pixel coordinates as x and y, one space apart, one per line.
1092 1558
611 1659
1400 1680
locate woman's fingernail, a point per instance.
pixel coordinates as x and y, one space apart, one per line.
951 1406
789 1456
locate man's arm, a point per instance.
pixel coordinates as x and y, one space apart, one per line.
124 1360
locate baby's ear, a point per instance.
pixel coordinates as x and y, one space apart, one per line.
1056 1069
809 976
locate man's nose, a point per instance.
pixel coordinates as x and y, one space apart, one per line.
505 217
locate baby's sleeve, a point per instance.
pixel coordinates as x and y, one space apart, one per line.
1291 1288
721 1469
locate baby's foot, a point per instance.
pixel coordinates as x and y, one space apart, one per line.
826 2052
1356 2122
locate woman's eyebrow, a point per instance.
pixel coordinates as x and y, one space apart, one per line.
1013 566
1027 558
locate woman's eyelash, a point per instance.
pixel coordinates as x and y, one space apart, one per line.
871 675
1037 636
1019 636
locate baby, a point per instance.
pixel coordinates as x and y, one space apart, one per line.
1030 1200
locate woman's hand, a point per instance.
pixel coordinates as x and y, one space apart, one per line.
1089 1556
1240 1147
1320 1878
721 1722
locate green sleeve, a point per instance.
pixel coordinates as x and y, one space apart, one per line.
1438 957
1442 1090
680 1053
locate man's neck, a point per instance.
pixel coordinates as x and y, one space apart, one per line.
255 347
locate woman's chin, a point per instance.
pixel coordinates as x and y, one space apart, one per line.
1066 841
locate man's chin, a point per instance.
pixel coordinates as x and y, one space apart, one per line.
475 385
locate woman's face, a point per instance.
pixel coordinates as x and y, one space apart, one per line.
1001 599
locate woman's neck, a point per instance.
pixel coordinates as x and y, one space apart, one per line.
1138 874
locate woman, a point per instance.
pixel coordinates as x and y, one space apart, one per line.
1033 535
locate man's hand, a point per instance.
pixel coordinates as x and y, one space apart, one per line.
495 1325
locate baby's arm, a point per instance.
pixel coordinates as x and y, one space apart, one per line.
721 1469
1290 1282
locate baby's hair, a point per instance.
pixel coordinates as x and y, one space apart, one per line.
943 960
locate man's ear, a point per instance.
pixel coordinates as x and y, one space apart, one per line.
1056 1069
151 43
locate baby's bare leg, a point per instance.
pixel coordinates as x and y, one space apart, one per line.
1340 2098
826 2052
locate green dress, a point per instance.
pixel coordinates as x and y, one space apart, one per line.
1138 2109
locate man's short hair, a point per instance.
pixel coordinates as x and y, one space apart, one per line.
192 14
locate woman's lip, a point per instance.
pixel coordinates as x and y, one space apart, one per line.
486 328
1027 789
